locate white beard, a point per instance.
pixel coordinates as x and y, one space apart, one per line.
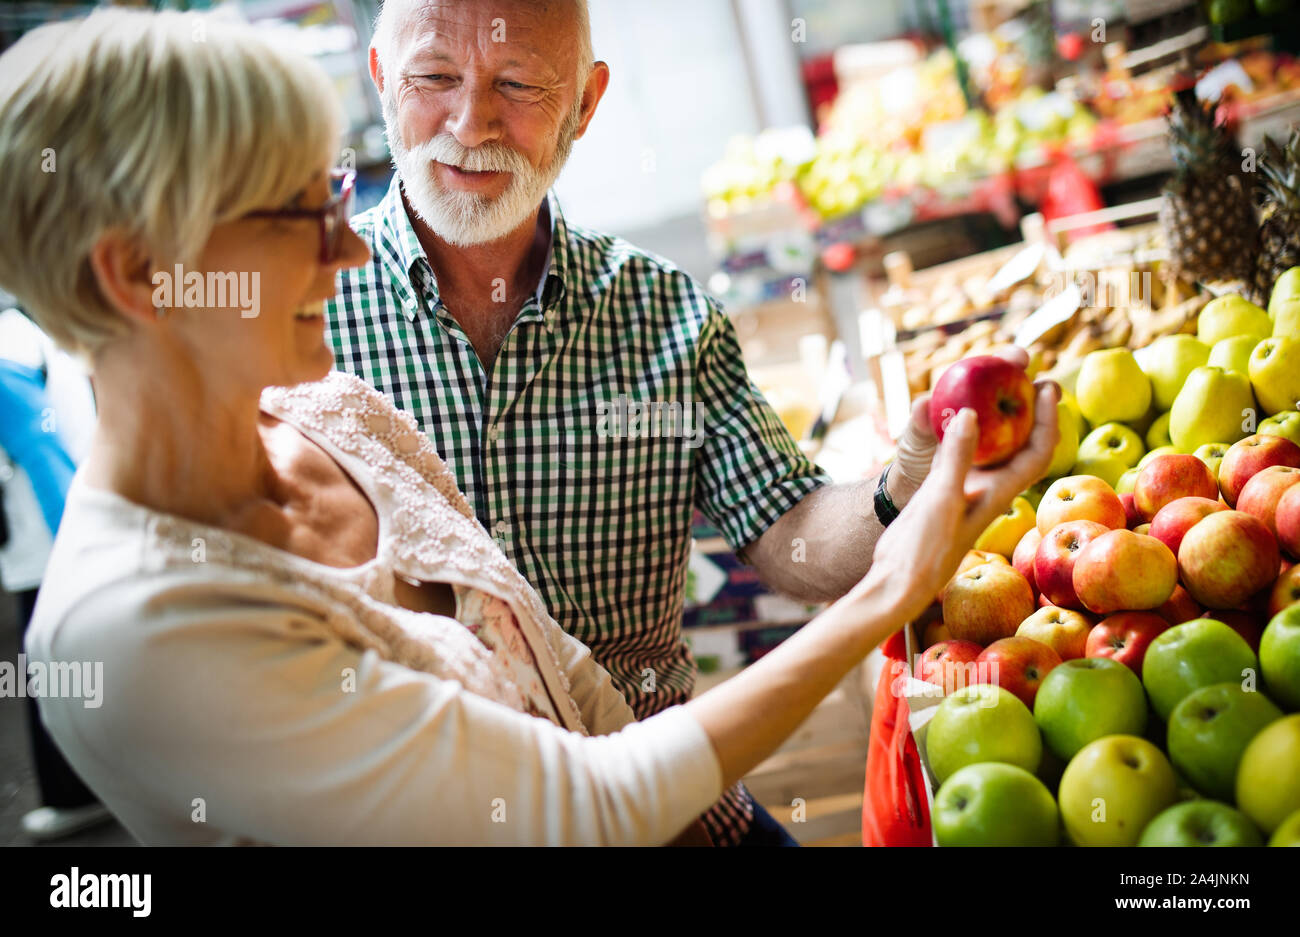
465 218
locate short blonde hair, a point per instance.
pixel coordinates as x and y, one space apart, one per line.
161 125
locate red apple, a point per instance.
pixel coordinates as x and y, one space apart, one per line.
1226 558
1055 559
1125 637
1176 518
1286 591
1167 478
1062 629
1287 518
1121 570
1018 665
1260 495
1179 607
1080 498
1002 397
1133 515
1248 457
1244 623
1023 557
945 664
986 603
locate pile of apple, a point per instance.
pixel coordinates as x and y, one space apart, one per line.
1122 667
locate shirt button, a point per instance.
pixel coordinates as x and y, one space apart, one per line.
493 432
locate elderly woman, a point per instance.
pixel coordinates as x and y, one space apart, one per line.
305 635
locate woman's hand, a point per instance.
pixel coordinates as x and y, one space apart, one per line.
920 550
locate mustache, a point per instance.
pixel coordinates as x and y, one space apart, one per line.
486 157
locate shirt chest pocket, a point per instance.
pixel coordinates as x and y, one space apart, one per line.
635 450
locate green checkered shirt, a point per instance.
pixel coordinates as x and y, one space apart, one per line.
594 509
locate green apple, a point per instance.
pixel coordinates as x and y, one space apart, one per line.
1083 699
1210 728
1163 450
1112 439
1228 316
1111 387
1127 482
1186 657
1233 354
1158 435
1201 823
981 723
1212 454
994 804
1113 788
1285 288
1275 374
1288 834
1108 468
1214 406
1268 778
1066 452
1279 658
1285 424
1169 359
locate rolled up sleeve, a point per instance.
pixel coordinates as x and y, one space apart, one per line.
750 469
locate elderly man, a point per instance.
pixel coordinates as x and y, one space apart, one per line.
524 346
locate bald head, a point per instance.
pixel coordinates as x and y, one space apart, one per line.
569 19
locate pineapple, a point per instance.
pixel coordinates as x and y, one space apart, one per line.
1207 215
1279 232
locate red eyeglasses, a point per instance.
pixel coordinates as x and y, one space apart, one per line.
333 215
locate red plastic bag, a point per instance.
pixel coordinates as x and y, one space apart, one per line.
895 810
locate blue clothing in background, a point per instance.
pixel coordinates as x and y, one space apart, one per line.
40 453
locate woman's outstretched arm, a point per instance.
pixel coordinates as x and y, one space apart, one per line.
749 716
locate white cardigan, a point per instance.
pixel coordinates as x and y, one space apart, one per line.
254 696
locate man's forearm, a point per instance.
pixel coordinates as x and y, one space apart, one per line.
822 546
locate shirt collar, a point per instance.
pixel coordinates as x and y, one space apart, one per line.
405 259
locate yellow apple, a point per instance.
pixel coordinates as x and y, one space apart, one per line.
1233 354
1232 315
1275 374
1004 531
1214 406
1066 452
1212 454
1108 468
1162 450
1268 775
1286 288
1158 434
1286 320
1072 404
1285 424
1112 439
1127 482
1169 359
1112 388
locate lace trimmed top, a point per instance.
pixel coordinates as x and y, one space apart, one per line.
253 695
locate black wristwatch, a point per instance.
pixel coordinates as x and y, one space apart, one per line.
886 510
